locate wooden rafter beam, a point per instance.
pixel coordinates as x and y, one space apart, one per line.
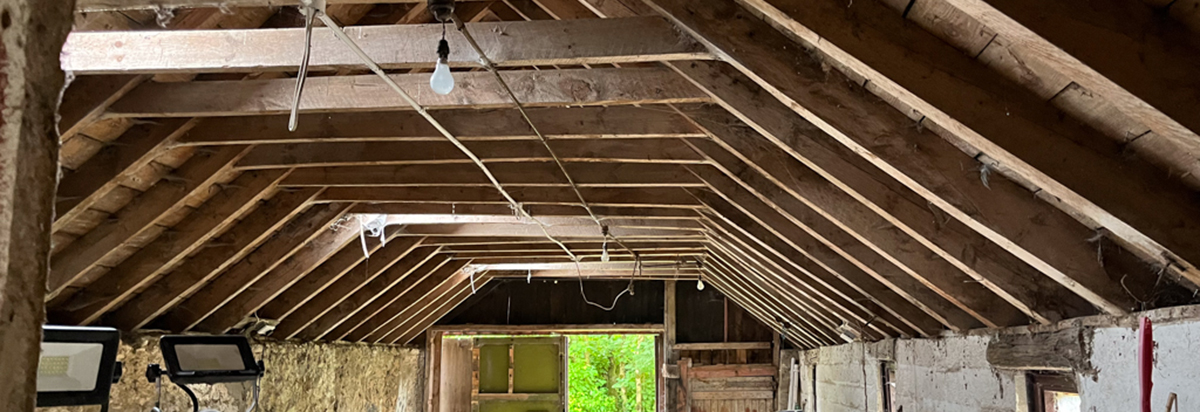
660 151
476 90
456 219
1009 132
773 276
420 298
647 212
268 256
383 307
853 286
768 278
152 261
526 43
1143 63
825 266
532 196
339 272
87 6
346 297
732 280
418 324
532 230
466 125
510 174
914 232
199 172
219 254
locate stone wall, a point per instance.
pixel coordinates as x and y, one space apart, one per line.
300 377
953 373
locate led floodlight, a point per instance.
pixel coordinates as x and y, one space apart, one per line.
209 359
78 365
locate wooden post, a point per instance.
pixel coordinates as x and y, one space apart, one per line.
669 356
31 35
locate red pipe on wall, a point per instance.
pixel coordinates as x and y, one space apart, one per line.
1145 361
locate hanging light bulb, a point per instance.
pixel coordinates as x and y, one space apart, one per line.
442 82
604 251
700 284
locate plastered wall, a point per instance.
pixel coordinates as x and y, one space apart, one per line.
952 373
300 377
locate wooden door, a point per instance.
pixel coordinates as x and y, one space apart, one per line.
730 388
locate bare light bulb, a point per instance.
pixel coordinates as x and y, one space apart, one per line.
441 82
699 285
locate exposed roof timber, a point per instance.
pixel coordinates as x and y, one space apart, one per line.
683 274
768 278
766 171
349 295
626 267
527 43
530 230
200 172
467 125
1124 51
220 254
510 174
401 302
854 286
148 264
137 148
416 302
115 5
835 251
810 296
1023 139
624 197
340 275
546 246
731 278
263 260
411 219
1000 211
669 151
476 90
878 235
647 212
431 313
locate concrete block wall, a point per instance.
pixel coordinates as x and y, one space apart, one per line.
952 373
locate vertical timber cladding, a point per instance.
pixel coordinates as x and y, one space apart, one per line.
31 35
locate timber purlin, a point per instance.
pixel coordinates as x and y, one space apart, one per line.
822 166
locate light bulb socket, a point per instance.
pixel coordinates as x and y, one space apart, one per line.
443 50
442 10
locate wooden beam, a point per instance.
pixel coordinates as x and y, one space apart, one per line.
1062 350
301 264
199 172
216 215
510 174
688 274
269 255
648 212
453 241
802 283
918 306
799 337
32 31
405 334
475 90
533 230
373 315
723 346
1130 54
526 43
732 279
456 219
661 151
964 254
764 278
350 261
624 197
546 246
218 255
422 301
1013 135
468 124
352 293
89 6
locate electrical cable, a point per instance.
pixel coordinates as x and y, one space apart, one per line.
374 67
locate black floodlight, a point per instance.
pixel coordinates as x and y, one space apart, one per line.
78 366
209 359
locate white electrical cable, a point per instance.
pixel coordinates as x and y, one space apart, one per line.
370 63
